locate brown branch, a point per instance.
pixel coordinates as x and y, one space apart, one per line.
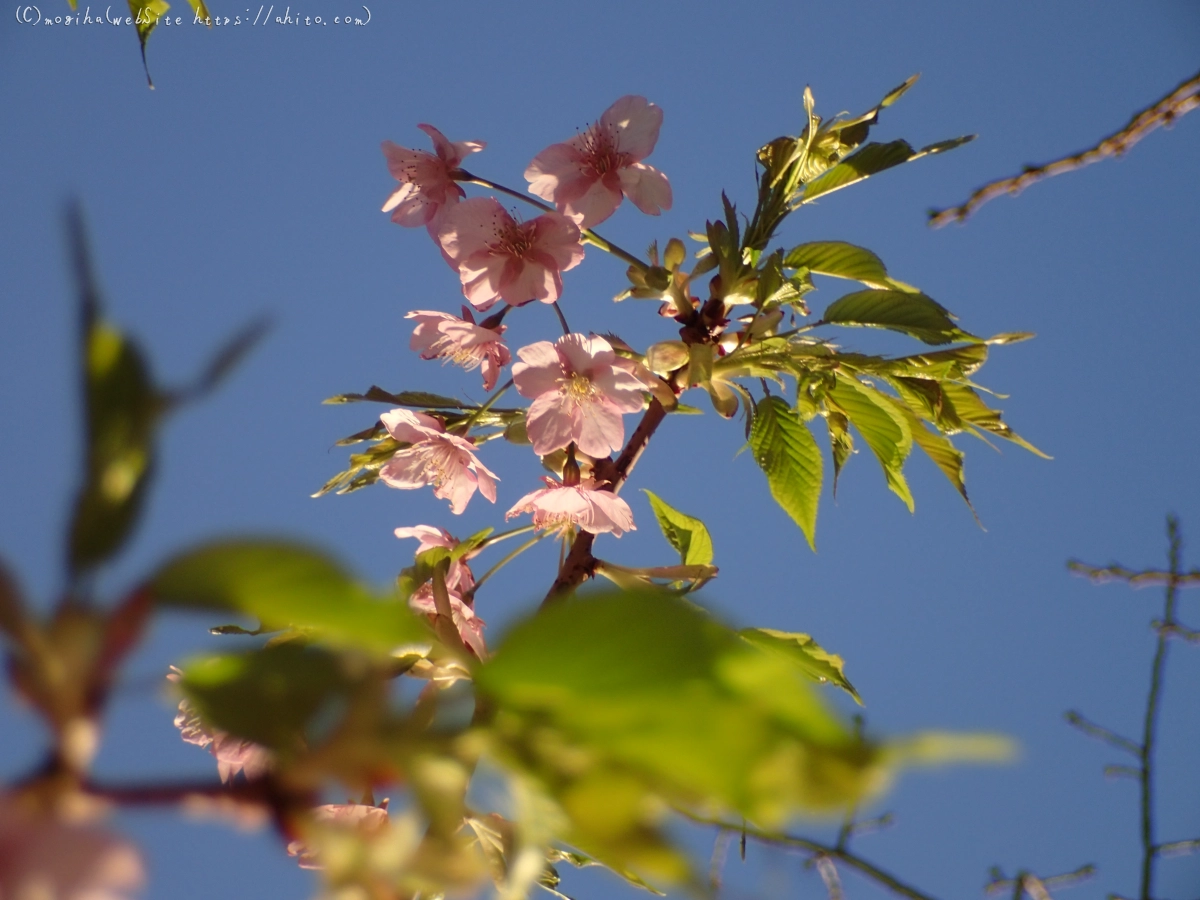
1163 113
580 564
1145 578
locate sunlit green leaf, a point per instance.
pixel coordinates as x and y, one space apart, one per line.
971 409
146 14
938 447
913 314
785 450
870 160
806 653
840 260
286 585
882 427
686 534
840 441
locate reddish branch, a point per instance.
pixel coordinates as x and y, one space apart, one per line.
580 564
1176 104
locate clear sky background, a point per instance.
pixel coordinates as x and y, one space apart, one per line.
250 182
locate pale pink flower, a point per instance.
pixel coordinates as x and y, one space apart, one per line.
233 754
558 507
580 390
470 626
460 577
41 857
439 335
586 176
499 258
365 821
427 183
446 461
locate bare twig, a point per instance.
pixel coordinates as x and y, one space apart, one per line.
819 850
1164 112
1035 887
1100 733
1137 579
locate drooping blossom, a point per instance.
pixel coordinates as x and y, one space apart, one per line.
586 176
445 461
459 578
439 335
580 389
558 507
499 258
427 185
470 626
358 818
44 857
233 754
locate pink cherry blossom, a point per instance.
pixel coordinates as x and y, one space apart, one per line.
427 184
233 754
470 626
440 335
460 577
499 258
42 857
580 389
446 461
365 821
586 176
558 507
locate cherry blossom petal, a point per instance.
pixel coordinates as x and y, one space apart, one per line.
635 121
559 507
599 429
647 188
365 821
550 424
41 857
469 626
440 335
427 185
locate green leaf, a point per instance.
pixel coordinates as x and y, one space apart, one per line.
686 534
651 687
785 450
268 696
840 260
870 160
146 14
970 408
882 427
806 653
939 448
840 441
286 585
122 409
913 314
414 399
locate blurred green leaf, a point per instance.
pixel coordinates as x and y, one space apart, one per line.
122 409
686 534
614 701
913 314
785 450
882 427
268 696
806 653
286 585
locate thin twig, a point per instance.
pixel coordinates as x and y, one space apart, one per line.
1100 733
1164 112
1137 579
857 863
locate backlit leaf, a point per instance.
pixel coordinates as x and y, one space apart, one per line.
807 654
913 314
686 534
785 450
882 427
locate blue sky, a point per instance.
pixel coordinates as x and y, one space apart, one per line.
250 182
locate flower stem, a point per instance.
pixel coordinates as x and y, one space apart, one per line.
589 236
504 536
488 404
513 554
562 320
